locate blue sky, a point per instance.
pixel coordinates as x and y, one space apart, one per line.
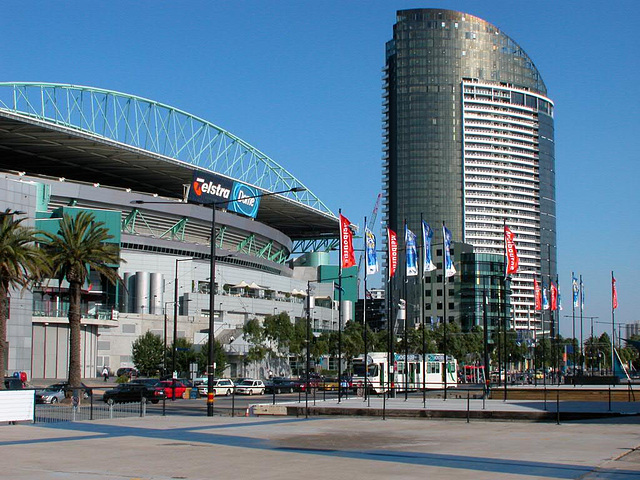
301 81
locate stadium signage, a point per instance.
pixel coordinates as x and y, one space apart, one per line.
207 188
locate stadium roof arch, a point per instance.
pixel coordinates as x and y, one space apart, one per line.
96 135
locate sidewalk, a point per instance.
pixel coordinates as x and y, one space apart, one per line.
162 448
473 408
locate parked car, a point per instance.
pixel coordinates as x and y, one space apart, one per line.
127 372
168 387
282 385
86 391
51 394
133 392
250 387
221 386
150 382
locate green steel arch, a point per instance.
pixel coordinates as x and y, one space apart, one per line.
155 127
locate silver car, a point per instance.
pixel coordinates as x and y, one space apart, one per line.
52 394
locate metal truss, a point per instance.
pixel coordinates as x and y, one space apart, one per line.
312 245
155 127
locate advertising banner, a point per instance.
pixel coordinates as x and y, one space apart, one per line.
371 257
393 252
411 252
208 188
511 254
347 254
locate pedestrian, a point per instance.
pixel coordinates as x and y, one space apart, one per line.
105 373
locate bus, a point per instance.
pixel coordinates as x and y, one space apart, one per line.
407 377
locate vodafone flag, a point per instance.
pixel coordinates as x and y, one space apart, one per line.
614 293
511 254
393 252
347 255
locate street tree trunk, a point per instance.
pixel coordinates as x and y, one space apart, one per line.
75 378
3 329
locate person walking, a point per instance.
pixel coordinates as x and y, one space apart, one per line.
105 373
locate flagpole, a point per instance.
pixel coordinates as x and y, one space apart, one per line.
613 328
557 321
340 315
444 306
364 313
422 258
573 304
406 311
582 359
506 315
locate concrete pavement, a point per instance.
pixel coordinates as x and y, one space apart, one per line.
173 447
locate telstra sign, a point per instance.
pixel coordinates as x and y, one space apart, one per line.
208 188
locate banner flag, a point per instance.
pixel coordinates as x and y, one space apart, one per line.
347 254
545 298
449 269
393 252
371 257
581 294
576 291
559 299
537 295
411 252
614 293
427 235
510 252
554 296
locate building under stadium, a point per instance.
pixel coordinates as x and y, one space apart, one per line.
130 161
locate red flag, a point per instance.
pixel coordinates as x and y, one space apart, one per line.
614 293
393 252
347 255
510 252
537 292
554 296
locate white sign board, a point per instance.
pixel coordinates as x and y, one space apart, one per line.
17 405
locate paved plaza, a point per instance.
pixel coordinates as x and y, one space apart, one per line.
189 447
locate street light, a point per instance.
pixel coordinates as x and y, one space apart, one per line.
212 269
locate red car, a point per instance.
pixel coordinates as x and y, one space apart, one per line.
167 386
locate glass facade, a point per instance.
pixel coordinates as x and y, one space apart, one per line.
469 140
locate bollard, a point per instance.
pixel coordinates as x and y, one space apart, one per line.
233 402
91 408
314 395
629 392
468 401
274 394
545 398
300 395
609 398
111 410
164 406
558 407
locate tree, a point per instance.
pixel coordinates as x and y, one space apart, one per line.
219 358
79 246
21 262
185 355
147 353
278 330
254 334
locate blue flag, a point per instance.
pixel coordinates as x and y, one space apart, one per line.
371 257
411 252
576 291
545 299
449 269
427 235
581 294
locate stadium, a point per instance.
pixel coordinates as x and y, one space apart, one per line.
132 163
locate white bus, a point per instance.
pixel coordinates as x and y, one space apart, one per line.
407 377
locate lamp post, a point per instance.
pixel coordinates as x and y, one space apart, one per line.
212 269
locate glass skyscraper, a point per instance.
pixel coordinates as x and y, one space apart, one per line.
469 141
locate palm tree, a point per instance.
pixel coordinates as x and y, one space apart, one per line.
79 247
21 262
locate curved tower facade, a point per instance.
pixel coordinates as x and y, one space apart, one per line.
469 140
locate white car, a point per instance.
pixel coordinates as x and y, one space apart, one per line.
221 386
250 387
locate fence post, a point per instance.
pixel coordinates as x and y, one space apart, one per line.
110 410
557 407
609 398
468 401
545 398
233 402
91 411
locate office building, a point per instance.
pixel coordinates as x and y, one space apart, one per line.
469 140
